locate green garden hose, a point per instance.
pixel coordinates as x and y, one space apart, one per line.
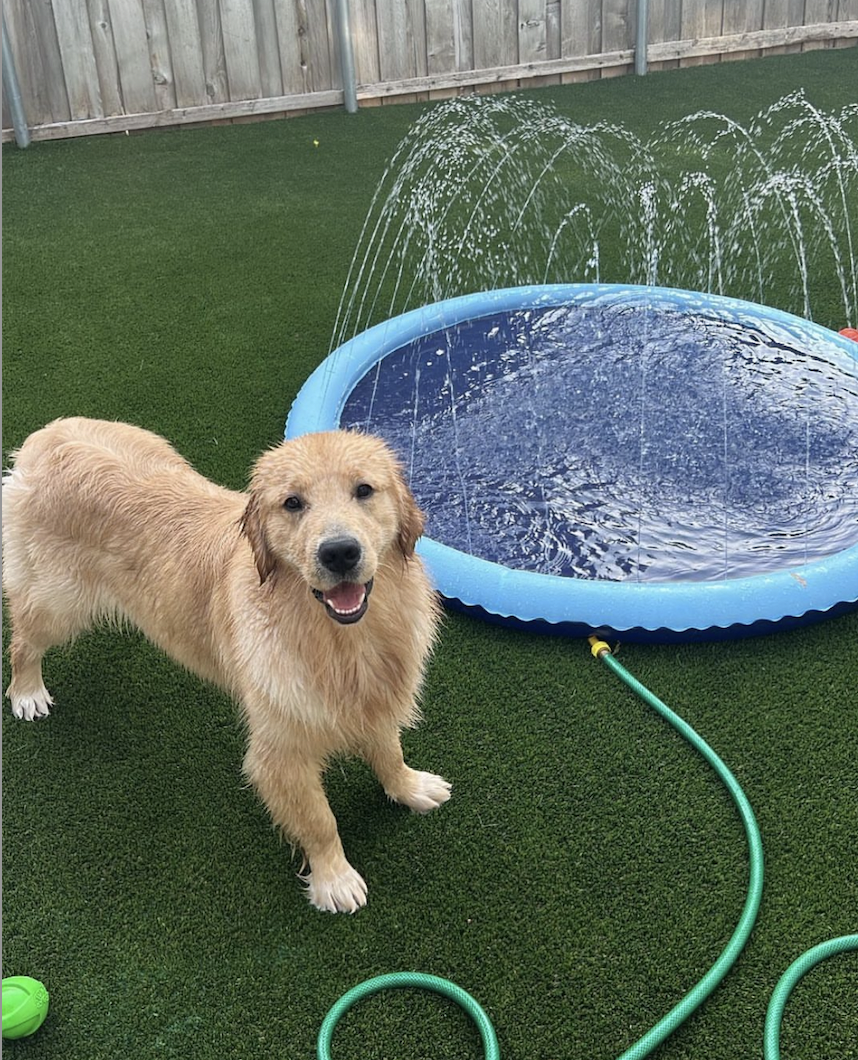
698 994
791 976
420 981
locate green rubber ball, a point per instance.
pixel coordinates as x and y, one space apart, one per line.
25 1005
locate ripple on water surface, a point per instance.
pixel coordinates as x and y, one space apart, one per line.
625 442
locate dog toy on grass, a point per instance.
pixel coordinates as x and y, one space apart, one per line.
25 1005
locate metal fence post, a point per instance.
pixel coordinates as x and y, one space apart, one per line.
12 90
347 58
642 36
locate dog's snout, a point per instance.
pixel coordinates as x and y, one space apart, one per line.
340 555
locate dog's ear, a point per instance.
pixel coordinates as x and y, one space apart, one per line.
251 527
411 520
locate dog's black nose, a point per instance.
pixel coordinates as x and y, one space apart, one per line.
340 555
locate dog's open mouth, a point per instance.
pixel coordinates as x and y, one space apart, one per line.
346 602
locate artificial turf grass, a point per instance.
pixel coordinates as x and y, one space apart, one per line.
554 903
588 869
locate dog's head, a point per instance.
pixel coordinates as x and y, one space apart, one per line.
331 506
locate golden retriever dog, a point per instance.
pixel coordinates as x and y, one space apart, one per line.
303 598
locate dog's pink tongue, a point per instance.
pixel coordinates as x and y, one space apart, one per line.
347 596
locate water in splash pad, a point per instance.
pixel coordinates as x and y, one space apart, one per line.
617 439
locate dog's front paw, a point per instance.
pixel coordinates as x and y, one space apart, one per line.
36 705
341 891
424 792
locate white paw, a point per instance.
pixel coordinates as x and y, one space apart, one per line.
427 792
342 892
31 707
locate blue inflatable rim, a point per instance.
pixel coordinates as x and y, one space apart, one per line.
526 596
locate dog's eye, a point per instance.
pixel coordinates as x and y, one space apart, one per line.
363 491
293 504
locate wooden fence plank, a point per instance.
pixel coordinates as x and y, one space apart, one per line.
796 16
303 26
365 41
774 17
24 42
533 36
132 56
742 18
214 60
417 15
270 78
846 10
779 16
396 43
45 39
819 11
78 57
691 25
160 58
401 28
495 34
532 31
441 53
713 16
288 41
449 40
763 39
495 39
580 34
213 112
186 47
496 75
335 65
702 19
553 17
315 52
239 49
665 17
104 52
617 31
463 29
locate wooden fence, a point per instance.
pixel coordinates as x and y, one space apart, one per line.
94 66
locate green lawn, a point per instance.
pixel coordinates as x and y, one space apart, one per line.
589 868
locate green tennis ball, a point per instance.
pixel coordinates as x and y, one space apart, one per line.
25 1005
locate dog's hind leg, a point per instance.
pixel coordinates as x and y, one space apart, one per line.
27 693
34 631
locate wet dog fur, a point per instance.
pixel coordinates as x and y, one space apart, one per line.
302 597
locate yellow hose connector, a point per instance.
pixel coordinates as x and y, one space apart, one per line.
598 647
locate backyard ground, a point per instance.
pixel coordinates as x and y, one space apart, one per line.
589 868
